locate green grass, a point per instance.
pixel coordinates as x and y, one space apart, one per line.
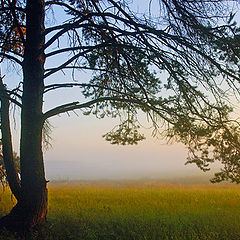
139 212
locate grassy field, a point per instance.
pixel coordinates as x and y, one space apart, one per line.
134 211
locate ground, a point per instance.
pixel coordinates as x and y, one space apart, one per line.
137 210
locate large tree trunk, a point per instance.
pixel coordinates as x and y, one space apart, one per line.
33 183
31 209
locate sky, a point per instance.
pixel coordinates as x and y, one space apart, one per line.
79 152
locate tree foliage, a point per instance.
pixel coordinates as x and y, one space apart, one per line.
177 65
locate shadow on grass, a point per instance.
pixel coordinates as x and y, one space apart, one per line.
65 228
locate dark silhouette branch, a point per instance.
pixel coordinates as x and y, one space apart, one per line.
70 85
15 20
62 4
77 105
74 58
10 99
11 58
80 67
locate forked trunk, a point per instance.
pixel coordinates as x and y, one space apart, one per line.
31 208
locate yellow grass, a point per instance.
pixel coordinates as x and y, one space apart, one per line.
146 210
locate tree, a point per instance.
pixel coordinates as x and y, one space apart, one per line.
3 174
123 51
208 144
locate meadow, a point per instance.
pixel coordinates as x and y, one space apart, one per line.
137 211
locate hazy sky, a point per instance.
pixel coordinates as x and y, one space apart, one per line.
79 151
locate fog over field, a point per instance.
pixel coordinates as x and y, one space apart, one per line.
79 152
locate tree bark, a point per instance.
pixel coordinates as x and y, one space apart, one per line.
31 209
12 174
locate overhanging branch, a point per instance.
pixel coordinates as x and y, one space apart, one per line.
70 85
77 105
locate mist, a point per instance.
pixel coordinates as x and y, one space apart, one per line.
80 153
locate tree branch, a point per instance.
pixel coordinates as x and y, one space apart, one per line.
74 58
12 9
76 105
78 67
3 95
11 58
69 85
3 9
62 4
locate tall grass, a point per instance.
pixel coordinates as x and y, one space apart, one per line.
139 211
